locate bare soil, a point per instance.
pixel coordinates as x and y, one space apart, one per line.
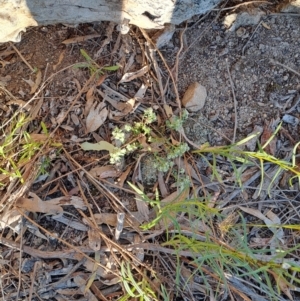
263 62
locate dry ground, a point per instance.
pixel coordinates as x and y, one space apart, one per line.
82 221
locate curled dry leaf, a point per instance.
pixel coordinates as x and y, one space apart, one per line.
102 172
127 77
96 117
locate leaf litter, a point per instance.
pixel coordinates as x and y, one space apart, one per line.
78 245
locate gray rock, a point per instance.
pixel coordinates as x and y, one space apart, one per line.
292 7
149 172
290 119
163 37
198 129
235 21
16 15
194 97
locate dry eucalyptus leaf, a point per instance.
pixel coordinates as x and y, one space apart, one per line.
61 57
21 103
102 145
75 119
107 91
89 100
123 107
81 39
168 110
129 63
124 176
81 282
35 204
103 172
141 92
269 223
8 218
143 208
96 117
127 77
37 82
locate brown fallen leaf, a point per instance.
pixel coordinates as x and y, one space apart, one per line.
176 197
162 185
123 107
37 82
265 25
107 91
124 176
96 117
127 77
61 57
103 172
81 39
9 218
270 221
100 80
110 219
283 284
54 206
35 204
271 147
89 100
141 92
37 138
168 110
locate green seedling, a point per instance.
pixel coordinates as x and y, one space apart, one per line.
17 148
93 67
236 156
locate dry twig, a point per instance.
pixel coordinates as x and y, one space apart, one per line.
234 102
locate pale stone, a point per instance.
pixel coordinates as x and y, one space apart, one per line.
194 97
292 7
16 15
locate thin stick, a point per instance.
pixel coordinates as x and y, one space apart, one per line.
258 25
234 102
285 66
175 68
21 56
